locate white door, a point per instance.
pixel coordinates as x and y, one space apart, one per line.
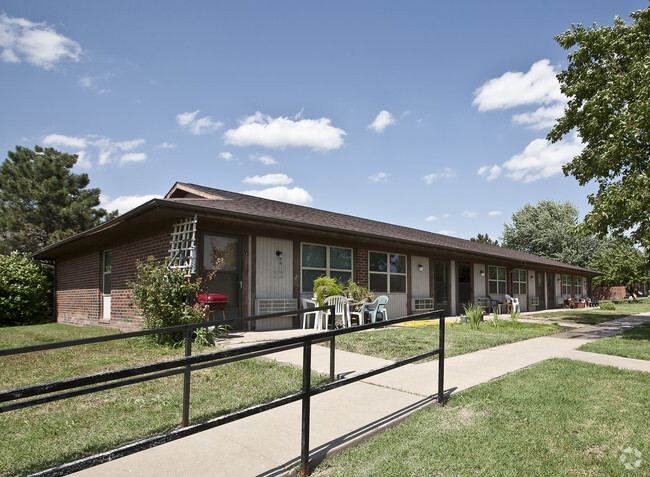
106 285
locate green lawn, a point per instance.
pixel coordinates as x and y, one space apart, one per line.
594 316
556 418
39 437
634 343
402 342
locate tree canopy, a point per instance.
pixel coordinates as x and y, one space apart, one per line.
620 262
548 230
484 238
42 201
607 82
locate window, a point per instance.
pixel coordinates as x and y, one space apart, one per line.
387 272
497 280
107 269
519 282
566 285
320 260
577 286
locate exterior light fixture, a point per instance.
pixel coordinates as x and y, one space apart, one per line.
278 253
482 273
420 267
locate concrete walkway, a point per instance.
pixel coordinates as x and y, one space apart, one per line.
268 444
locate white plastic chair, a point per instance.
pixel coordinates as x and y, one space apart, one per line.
341 309
359 311
307 316
513 303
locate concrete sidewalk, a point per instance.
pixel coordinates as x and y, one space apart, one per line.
268 444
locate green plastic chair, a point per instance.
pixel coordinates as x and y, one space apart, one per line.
377 307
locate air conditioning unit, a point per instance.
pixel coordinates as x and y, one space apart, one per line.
276 305
423 304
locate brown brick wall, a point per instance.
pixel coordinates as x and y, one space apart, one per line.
361 267
610 293
79 279
78 297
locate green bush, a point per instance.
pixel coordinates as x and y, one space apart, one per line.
25 291
474 315
608 306
163 296
324 287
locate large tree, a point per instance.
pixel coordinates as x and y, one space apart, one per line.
548 229
607 82
42 201
484 238
620 262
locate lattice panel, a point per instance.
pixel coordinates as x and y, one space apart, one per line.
183 246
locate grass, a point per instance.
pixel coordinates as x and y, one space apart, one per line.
46 435
402 342
556 418
594 316
634 343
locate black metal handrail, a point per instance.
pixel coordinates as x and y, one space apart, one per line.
71 387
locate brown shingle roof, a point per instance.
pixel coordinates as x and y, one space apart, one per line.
255 207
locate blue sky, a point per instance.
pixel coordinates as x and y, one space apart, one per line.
427 114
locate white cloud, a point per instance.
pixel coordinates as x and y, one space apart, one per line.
166 145
82 160
133 157
269 179
469 213
129 145
542 118
91 83
431 218
58 140
296 195
537 86
447 232
36 43
279 133
263 158
541 159
86 82
447 174
491 172
126 202
107 150
382 121
196 125
227 156
379 177
494 213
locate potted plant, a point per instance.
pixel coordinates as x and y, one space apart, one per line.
324 287
357 293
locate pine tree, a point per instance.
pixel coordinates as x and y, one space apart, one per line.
42 201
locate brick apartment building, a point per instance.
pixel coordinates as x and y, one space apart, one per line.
273 251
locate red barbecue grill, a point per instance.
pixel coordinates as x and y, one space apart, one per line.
213 302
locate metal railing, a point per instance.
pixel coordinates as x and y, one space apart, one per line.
32 395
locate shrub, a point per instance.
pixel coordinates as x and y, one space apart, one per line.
324 287
514 315
496 320
25 290
608 306
474 314
163 294
356 292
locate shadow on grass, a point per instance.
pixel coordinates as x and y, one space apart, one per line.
640 333
579 317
